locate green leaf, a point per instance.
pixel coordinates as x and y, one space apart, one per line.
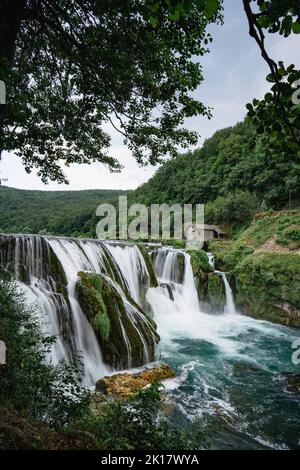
211 8
154 7
260 129
153 20
176 15
268 97
296 28
264 21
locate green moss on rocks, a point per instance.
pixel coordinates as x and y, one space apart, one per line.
56 271
175 243
118 348
202 270
265 265
271 231
150 268
211 291
89 293
118 335
215 295
268 286
181 267
199 262
228 254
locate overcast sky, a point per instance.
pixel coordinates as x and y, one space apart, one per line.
234 73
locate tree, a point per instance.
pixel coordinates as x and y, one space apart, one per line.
73 67
277 116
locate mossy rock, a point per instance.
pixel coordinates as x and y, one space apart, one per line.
202 271
268 287
180 267
89 293
215 291
149 264
175 243
199 262
126 385
201 281
119 336
211 291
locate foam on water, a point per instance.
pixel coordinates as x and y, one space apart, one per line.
225 363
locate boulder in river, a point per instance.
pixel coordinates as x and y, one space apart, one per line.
127 384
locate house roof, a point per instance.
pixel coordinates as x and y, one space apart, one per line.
206 227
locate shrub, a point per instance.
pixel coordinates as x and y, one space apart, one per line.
138 424
28 382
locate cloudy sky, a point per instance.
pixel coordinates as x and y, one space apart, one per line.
234 73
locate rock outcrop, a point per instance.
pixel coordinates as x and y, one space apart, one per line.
264 263
127 384
126 334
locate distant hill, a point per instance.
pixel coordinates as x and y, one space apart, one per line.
69 213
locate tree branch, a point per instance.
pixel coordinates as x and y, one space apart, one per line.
256 32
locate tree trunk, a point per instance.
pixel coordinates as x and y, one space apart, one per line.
11 14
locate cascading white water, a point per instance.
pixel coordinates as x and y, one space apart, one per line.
221 371
133 268
41 292
165 265
175 313
230 304
53 288
179 315
229 368
71 257
174 303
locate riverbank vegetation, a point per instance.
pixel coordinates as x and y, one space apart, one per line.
265 262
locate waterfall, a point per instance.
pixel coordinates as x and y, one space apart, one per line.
71 258
46 269
230 304
133 268
52 270
175 303
211 260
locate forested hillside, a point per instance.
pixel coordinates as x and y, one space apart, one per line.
233 174
68 213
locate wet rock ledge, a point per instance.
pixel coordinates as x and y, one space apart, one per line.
127 384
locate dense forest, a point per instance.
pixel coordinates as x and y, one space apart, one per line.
233 174
68 213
